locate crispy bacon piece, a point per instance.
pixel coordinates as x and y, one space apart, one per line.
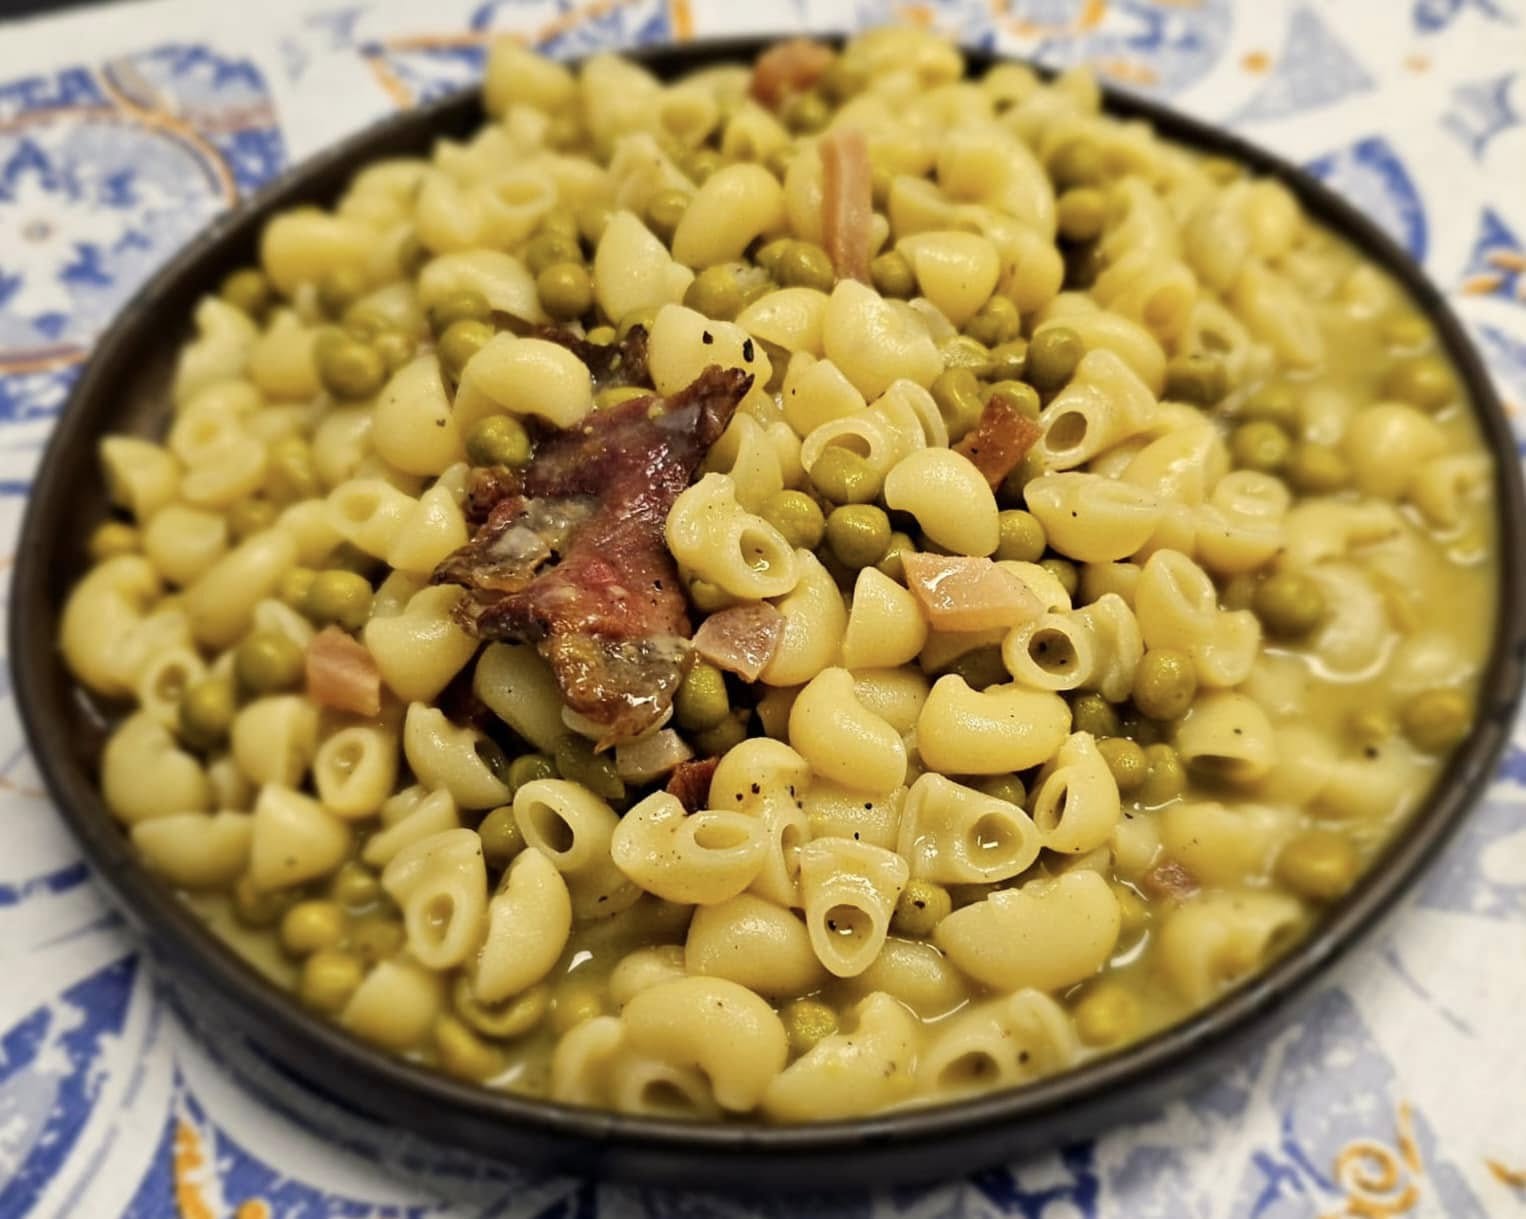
958 593
342 674
573 556
690 782
1000 440
622 363
742 639
847 201
1168 879
791 66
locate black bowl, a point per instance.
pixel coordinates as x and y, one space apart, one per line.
124 389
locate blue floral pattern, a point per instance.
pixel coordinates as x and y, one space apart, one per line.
111 1109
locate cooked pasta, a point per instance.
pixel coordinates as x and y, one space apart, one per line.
778 598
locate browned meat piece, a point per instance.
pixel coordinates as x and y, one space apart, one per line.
1168 880
690 782
574 558
622 363
1000 440
847 201
791 66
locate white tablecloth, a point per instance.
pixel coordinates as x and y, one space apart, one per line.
123 130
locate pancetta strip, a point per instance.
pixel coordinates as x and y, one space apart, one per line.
1000 441
959 593
741 640
787 67
342 674
847 201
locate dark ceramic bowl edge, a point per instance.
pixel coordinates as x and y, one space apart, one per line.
902 1146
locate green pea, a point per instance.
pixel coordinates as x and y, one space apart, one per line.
329 978
636 317
996 322
806 112
1126 760
565 290
1407 332
529 768
547 249
805 265
892 275
807 1022
1008 362
957 393
376 938
339 597
1094 714
769 253
1107 1014
845 77
111 539
268 661
880 181
1011 490
1081 212
1021 538
347 367
663 212
716 293
1318 864
890 563
206 712
858 534
561 224
962 351
355 885
701 701
1275 403
339 289
703 162
1289 604
592 219
797 516
920 908
1165 683
248 290
458 306
290 474
256 908
394 347
348 557
844 477
725 736
294 586
1005 787
460 342
1436 720
1260 445
602 336
1018 395
577 761
501 839
1077 162
1422 381
980 667
313 925
412 254
1198 379
1053 355
1368 726
1066 573
707 597
498 440
1317 469
1099 579
1165 778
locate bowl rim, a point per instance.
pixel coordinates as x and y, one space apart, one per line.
1152 1061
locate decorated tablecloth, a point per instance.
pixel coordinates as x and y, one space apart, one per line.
1398 1091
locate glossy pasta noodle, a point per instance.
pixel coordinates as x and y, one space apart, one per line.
1061 566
